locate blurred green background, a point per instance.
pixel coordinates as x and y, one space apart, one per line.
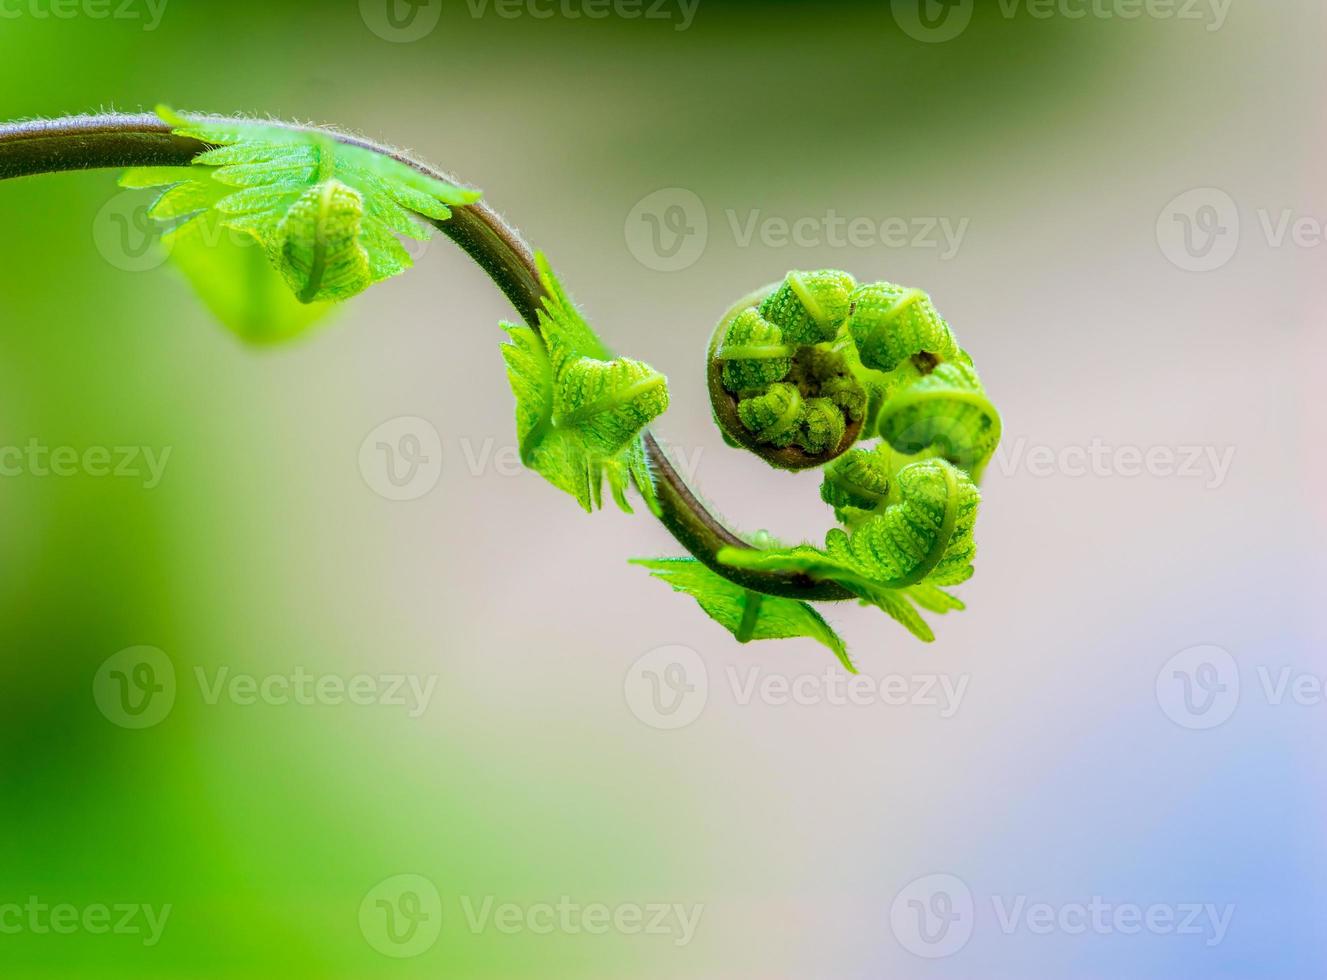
1055 143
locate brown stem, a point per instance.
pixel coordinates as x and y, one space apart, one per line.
116 140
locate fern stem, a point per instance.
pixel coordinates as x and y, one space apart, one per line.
117 140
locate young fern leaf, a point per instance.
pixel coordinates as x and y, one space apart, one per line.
747 615
326 215
895 604
857 484
947 412
891 323
580 411
933 598
923 535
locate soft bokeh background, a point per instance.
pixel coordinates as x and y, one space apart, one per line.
1064 772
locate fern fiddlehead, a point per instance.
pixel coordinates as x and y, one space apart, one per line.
777 386
799 372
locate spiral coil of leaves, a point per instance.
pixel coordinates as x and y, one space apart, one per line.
800 373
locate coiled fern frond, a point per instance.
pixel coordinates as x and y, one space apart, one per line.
275 224
801 371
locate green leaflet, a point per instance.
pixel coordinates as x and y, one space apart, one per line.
921 533
580 411
747 615
947 412
857 484
753 353
897 607
810 306
775 364
774 416
934 598
891 323
823 428
326 215
925 392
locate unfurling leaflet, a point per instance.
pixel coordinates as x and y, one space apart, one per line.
580 411
802 371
